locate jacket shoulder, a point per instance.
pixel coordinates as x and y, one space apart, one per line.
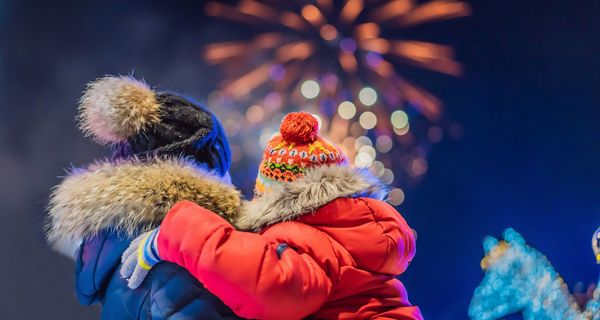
374 233
383 212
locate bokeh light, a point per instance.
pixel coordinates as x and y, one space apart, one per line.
368 120
277 72
377 168
368 150
362 141
255 114
367 96
273 101
347 110
328 32
363 160
232 123
396 196
388 176
399 119
435 134
330 82
310 89
418 166
384 143
348 45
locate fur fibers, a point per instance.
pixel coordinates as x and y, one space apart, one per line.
115 108
133 196
319 186
130 197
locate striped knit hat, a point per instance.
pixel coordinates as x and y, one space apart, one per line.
296 148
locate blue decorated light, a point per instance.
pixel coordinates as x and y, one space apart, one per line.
518 278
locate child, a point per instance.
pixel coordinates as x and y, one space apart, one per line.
326 245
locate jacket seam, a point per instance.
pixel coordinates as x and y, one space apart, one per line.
96 289
190 298
139 312
383 233
330 241
337 276
261 266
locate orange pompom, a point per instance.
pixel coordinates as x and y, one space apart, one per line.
299 128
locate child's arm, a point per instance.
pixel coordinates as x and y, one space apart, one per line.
251 274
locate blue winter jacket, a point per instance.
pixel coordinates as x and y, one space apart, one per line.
92 204
169 291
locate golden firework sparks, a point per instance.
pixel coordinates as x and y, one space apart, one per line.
346 48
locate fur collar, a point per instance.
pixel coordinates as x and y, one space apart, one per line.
316 188
130 197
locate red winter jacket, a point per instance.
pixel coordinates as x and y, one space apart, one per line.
325 249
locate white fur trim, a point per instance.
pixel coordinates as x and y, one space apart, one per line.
130 197
316 188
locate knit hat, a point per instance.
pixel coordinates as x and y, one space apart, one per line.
296 148
125 113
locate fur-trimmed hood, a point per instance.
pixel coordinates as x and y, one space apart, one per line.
319 186
130 197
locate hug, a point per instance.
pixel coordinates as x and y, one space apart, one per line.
159 232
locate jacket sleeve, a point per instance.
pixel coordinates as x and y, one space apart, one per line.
247 271
401 238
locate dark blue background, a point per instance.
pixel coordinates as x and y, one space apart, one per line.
529 104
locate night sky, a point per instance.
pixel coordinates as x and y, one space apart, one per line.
529 104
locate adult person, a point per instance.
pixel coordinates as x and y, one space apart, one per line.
167 148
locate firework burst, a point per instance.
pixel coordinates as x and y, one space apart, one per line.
337 60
